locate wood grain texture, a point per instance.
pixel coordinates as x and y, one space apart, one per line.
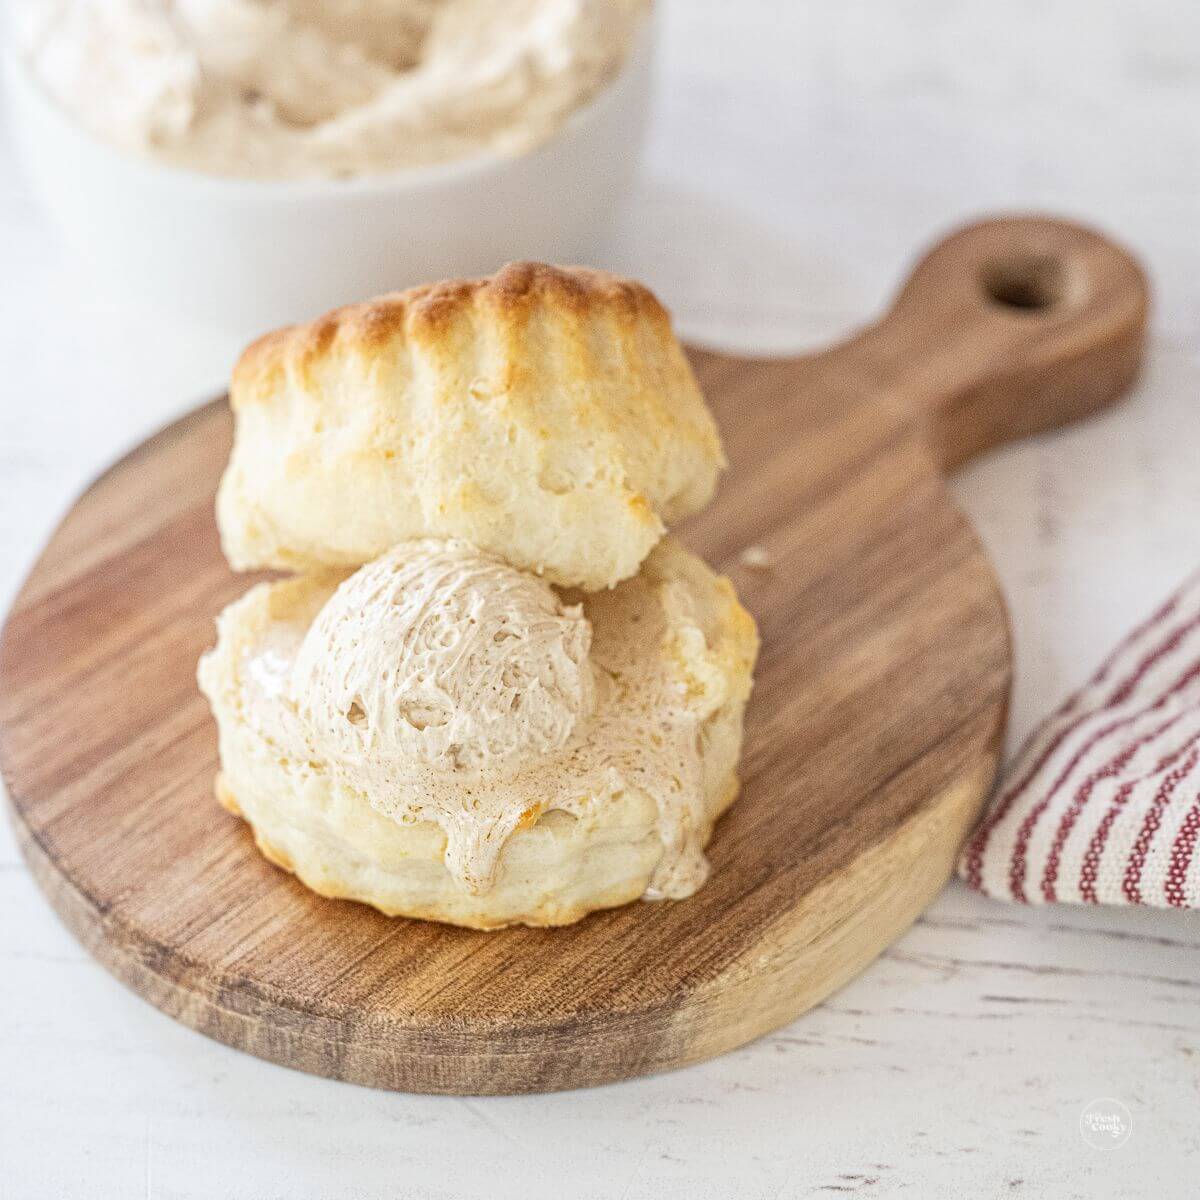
871 739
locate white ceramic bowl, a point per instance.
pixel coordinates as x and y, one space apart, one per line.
247 255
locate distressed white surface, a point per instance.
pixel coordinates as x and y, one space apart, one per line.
801 155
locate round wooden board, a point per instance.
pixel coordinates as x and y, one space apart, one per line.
872 736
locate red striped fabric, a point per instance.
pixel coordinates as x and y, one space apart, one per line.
1102 805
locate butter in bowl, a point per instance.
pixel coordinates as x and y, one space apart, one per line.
248 164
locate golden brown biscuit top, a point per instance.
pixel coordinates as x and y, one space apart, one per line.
545 414
518 293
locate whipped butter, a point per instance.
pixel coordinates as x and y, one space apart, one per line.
441 655
444 685
302 88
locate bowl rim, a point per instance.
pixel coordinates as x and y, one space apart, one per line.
16 71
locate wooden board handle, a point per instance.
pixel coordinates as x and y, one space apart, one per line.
1008 327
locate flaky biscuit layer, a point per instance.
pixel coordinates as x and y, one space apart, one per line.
545 414
556 867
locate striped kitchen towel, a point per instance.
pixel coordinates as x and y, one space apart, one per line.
1102 805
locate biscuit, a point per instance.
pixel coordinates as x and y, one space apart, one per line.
545 414
558 862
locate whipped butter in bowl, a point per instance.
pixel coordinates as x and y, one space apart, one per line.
251 161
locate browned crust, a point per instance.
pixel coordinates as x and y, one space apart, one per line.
424 314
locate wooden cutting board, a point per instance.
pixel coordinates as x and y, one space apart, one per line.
871 740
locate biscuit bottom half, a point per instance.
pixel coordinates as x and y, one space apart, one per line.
557 865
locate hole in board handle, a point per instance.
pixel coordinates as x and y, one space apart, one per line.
1026 284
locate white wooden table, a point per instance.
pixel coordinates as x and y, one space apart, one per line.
800 156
